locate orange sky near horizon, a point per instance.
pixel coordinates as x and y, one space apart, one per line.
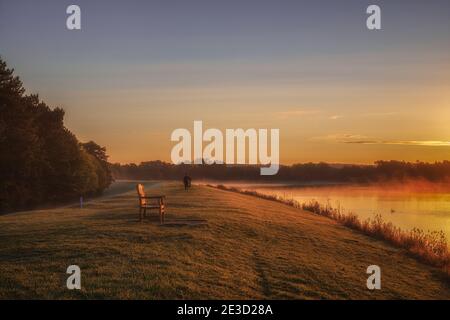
399 119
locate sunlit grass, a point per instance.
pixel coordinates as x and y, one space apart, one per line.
430 247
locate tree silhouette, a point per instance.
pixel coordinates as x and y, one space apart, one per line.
40 159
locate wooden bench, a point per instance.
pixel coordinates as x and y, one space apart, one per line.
150 202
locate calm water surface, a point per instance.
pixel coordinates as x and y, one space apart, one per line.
427 210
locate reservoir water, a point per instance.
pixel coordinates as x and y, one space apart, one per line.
406 207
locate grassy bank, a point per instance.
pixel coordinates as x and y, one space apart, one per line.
429 247
249 248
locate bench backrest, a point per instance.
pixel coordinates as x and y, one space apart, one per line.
141 194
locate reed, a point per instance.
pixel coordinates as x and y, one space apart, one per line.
429 247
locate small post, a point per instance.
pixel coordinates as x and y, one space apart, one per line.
81 202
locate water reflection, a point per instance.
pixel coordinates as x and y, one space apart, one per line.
425 208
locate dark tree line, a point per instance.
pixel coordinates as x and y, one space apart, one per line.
41 161
381 171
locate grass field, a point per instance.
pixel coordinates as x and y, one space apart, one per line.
250 248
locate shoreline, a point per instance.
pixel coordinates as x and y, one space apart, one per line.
430 248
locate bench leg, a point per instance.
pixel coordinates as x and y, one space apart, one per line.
140 214
161 216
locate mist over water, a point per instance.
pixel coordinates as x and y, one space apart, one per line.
407 205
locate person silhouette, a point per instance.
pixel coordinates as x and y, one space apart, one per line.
187 182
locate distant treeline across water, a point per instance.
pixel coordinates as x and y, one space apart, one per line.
381 171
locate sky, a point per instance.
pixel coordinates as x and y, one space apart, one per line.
338 92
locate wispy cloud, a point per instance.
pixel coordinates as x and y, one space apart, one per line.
426 143
350 138
363 115
341 137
